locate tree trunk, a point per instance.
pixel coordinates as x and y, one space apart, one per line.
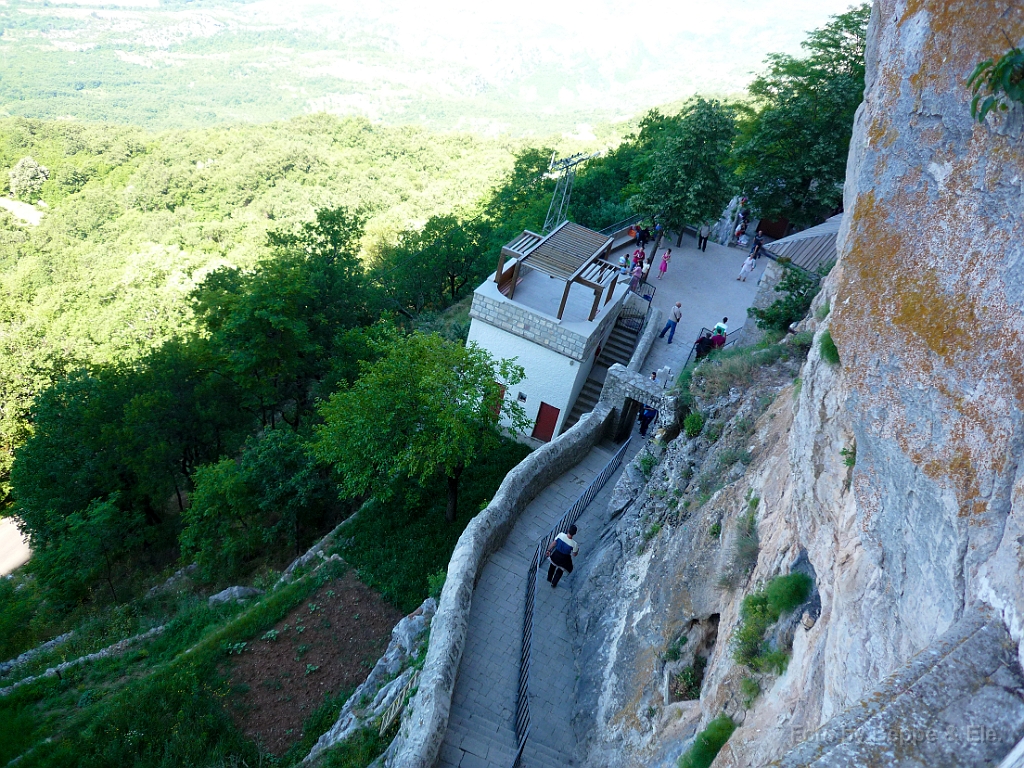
453 494
453 500
679 240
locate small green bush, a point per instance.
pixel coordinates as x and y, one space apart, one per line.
693 424
708 743
715 530
849 456
647 462
829 352
651 532
822 311
803 341
759 612
675 649
784 593
435 583
714 431
688 681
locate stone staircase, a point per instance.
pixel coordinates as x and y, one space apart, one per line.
618 349
958 702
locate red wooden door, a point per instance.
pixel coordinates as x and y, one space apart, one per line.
544 429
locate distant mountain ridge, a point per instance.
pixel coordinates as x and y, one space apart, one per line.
522 69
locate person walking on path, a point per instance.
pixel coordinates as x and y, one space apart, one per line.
747 268
702 236
560 553
723 326
755 249
663 267
673 320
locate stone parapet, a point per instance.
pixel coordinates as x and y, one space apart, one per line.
643 347
422 731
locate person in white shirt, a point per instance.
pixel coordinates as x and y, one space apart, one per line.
560 554
723 326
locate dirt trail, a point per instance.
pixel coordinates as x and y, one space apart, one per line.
14 549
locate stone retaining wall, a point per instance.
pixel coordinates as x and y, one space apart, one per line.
423 729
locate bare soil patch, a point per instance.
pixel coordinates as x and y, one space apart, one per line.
326 646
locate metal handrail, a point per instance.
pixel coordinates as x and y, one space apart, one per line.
621 224
522 717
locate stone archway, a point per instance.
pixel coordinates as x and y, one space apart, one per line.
623 387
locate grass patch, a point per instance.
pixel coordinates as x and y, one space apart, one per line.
693 424
707 744
750 689
713 432
156 705
653 531
396 546
745 550
822 312
715 530
730 456
734 367
357 751
827 347
759 612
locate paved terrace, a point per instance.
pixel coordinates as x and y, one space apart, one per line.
480 727
706 284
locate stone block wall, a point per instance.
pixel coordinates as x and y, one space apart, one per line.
540 329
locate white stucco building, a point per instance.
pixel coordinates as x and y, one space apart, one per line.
551 304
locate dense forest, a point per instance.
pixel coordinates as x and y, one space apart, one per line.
218 343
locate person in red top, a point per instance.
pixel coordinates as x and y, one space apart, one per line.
718 340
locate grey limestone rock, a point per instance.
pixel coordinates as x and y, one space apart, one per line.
233 594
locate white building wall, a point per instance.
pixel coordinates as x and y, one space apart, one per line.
550 377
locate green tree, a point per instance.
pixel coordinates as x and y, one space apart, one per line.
798 289
27 178
274 327
686 177
427 407
274 493
791 156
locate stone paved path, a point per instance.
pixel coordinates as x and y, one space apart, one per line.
480 727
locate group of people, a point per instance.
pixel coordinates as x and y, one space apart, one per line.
709 341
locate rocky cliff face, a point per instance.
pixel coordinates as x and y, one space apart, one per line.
928 317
